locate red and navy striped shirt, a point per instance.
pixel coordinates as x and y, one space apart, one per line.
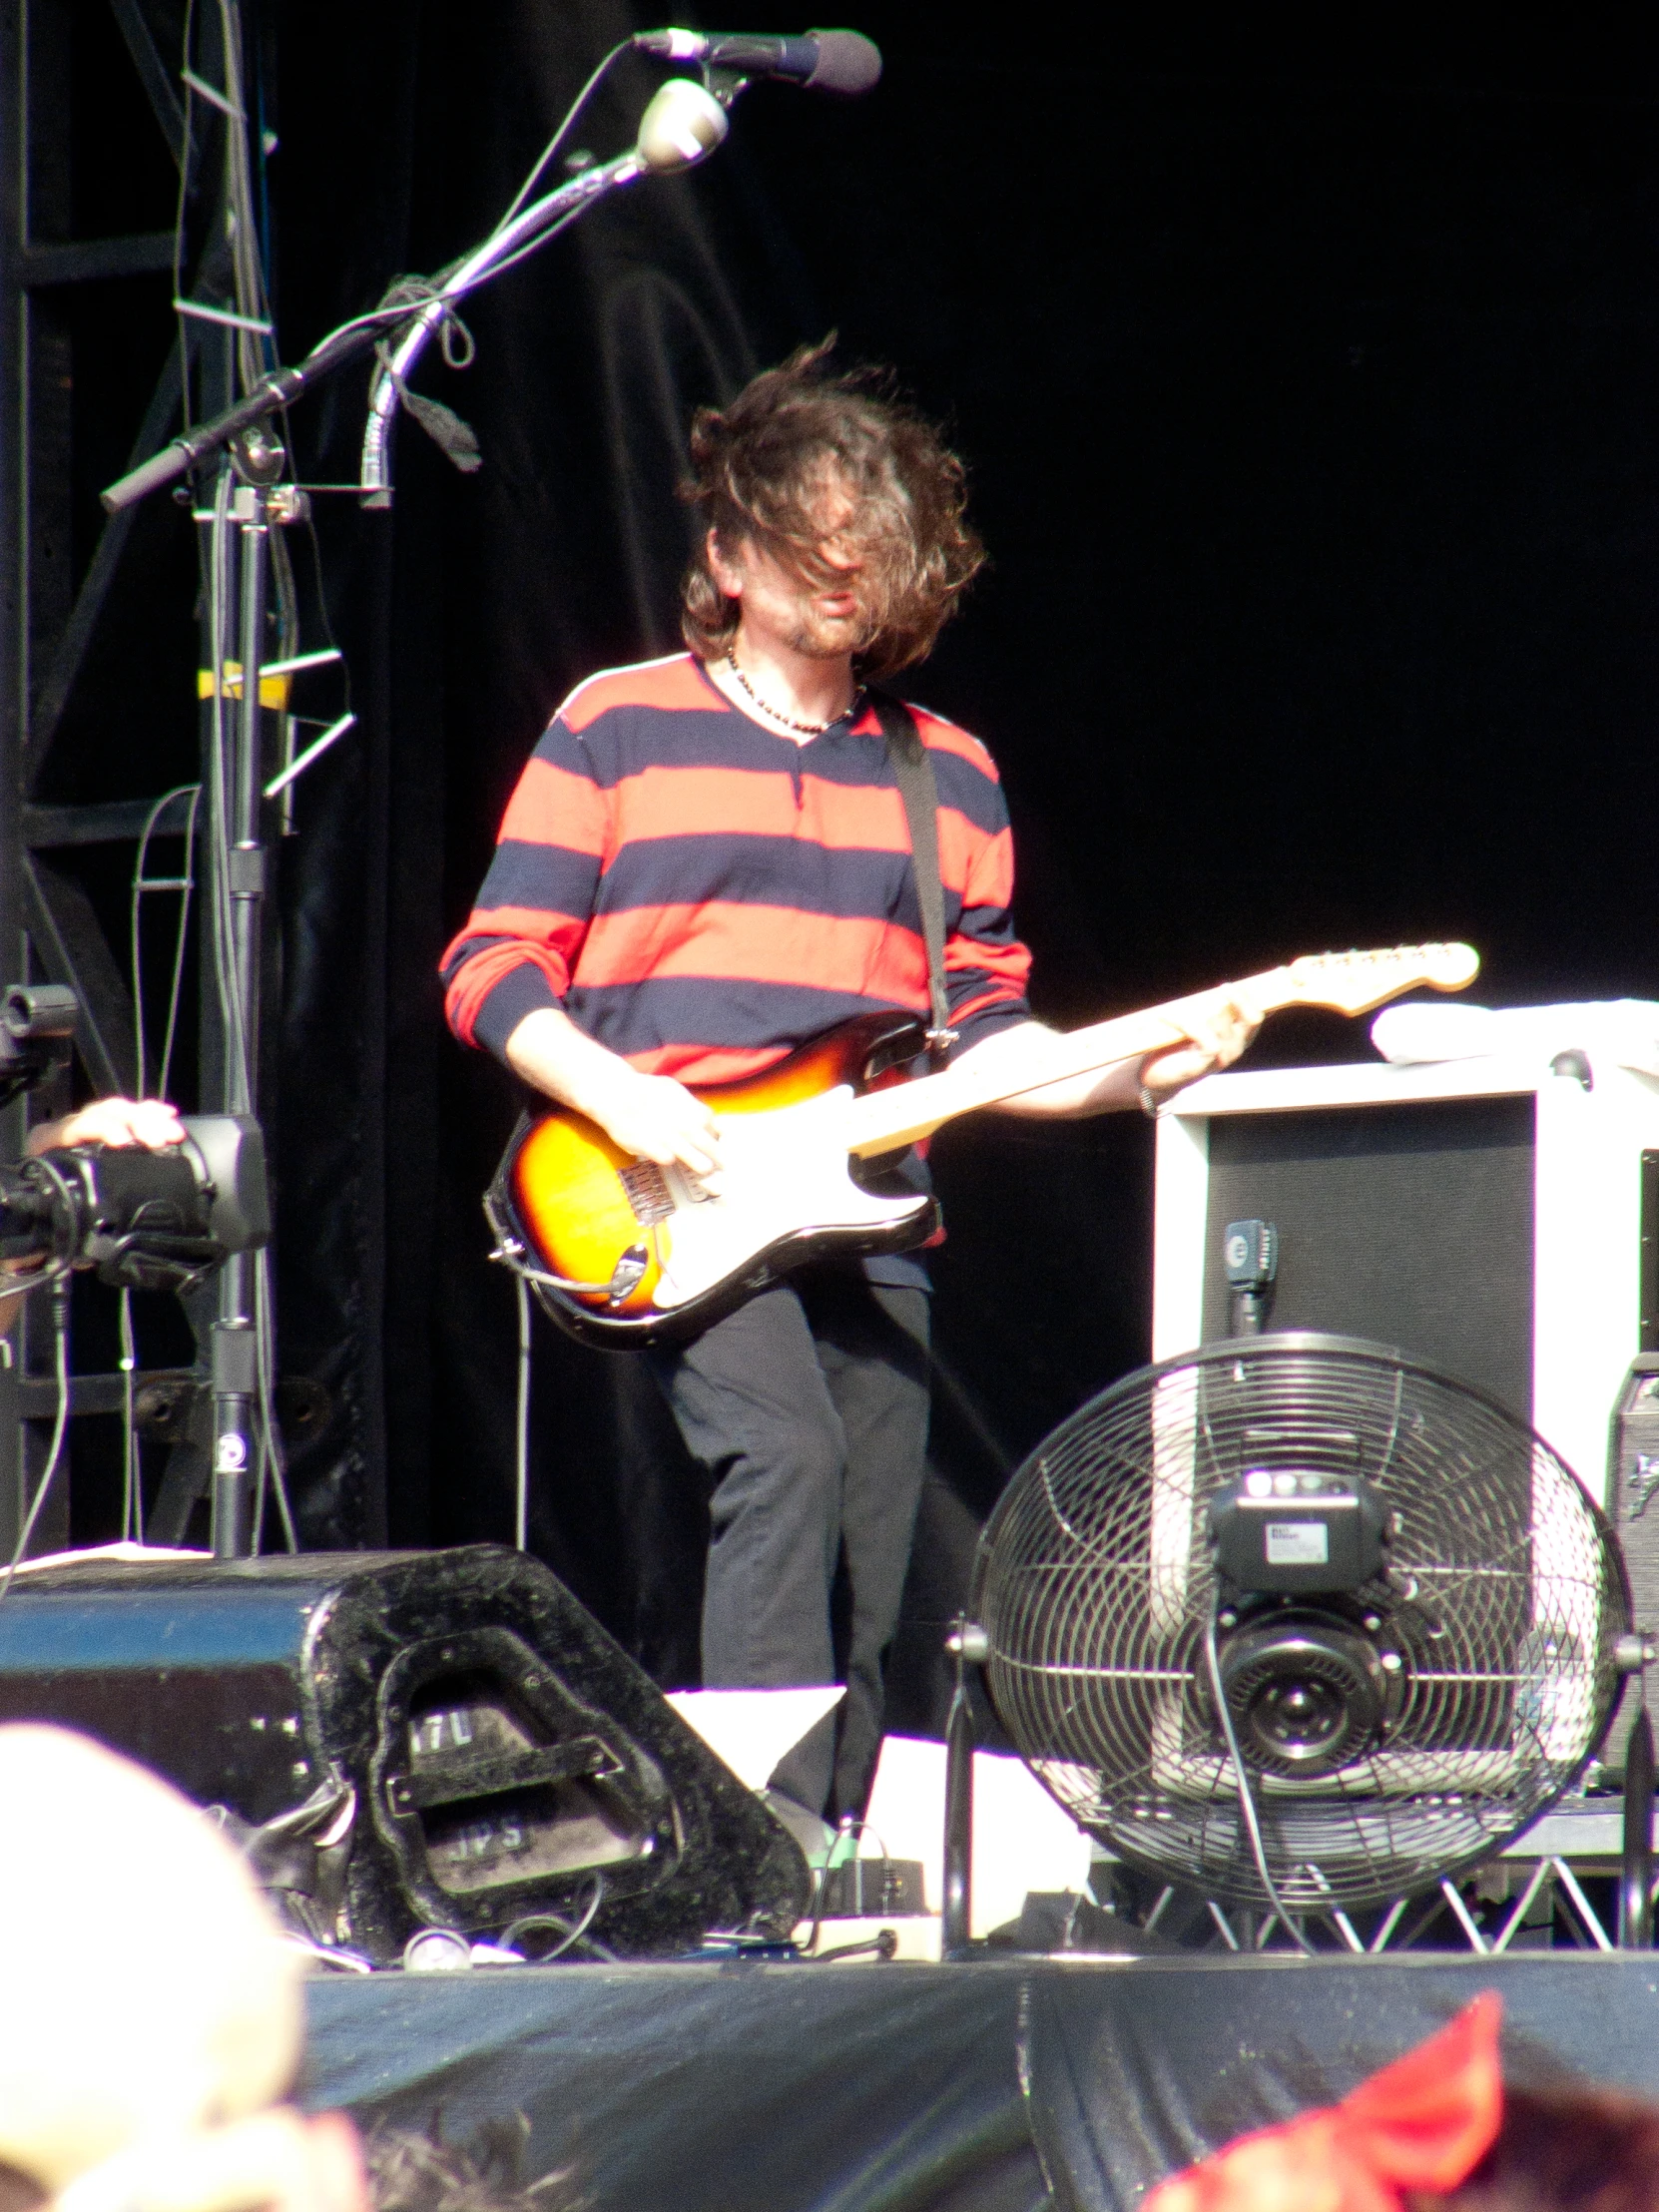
703 897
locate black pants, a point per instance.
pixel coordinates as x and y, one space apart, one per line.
807 1408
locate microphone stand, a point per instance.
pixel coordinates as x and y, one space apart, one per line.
683 123
254 505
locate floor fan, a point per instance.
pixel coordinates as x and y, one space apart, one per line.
1303 1625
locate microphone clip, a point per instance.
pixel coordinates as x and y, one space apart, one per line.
724 84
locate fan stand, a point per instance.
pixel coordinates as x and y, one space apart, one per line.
968 1646
1636 1871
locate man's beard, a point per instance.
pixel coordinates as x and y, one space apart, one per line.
831 640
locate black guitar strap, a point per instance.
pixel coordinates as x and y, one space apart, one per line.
913 771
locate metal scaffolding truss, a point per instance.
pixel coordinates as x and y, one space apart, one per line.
66 310
1557 1886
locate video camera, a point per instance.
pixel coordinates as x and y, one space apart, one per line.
156 1221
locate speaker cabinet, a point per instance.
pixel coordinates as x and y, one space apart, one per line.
1485 1218
407 1740
1633 1503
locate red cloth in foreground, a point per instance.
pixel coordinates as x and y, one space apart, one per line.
1420 2125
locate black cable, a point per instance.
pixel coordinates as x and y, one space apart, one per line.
519 254
805 1949
557 140
187 139
884 1945
1247 1797
60 1326
530 1922
402 311
390 316
853 1828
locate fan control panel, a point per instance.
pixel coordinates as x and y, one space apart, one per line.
1295 1531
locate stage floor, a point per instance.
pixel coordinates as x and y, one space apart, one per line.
986 2087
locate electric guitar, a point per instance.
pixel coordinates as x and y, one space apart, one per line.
623 1253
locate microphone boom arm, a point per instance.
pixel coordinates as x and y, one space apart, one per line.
686 138
543 216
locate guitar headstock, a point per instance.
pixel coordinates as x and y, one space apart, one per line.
1355 983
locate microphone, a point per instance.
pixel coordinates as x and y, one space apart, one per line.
683 123
828 60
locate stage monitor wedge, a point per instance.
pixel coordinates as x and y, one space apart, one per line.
421 1738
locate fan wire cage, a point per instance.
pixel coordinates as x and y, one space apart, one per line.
1499 1618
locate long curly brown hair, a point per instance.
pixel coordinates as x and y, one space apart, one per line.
1569 2149
759 471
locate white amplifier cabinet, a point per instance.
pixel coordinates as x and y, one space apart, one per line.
1493 1219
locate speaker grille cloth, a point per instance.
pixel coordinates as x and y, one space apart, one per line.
1410 1225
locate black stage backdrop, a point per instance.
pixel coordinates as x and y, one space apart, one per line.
1311 401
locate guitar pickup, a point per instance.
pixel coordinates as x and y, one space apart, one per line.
647 1191
686 1189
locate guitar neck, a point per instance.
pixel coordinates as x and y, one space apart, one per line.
884 1120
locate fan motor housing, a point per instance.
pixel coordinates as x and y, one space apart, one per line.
1308 1693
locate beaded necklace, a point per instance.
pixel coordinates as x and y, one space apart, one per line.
787 722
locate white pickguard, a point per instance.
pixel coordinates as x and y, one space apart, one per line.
782 1173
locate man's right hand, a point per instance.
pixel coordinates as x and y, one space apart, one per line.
656 1118
651 1116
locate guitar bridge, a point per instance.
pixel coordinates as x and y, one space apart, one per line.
647 1189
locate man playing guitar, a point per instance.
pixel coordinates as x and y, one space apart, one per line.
706 864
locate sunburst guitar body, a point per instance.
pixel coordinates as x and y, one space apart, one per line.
622 1253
